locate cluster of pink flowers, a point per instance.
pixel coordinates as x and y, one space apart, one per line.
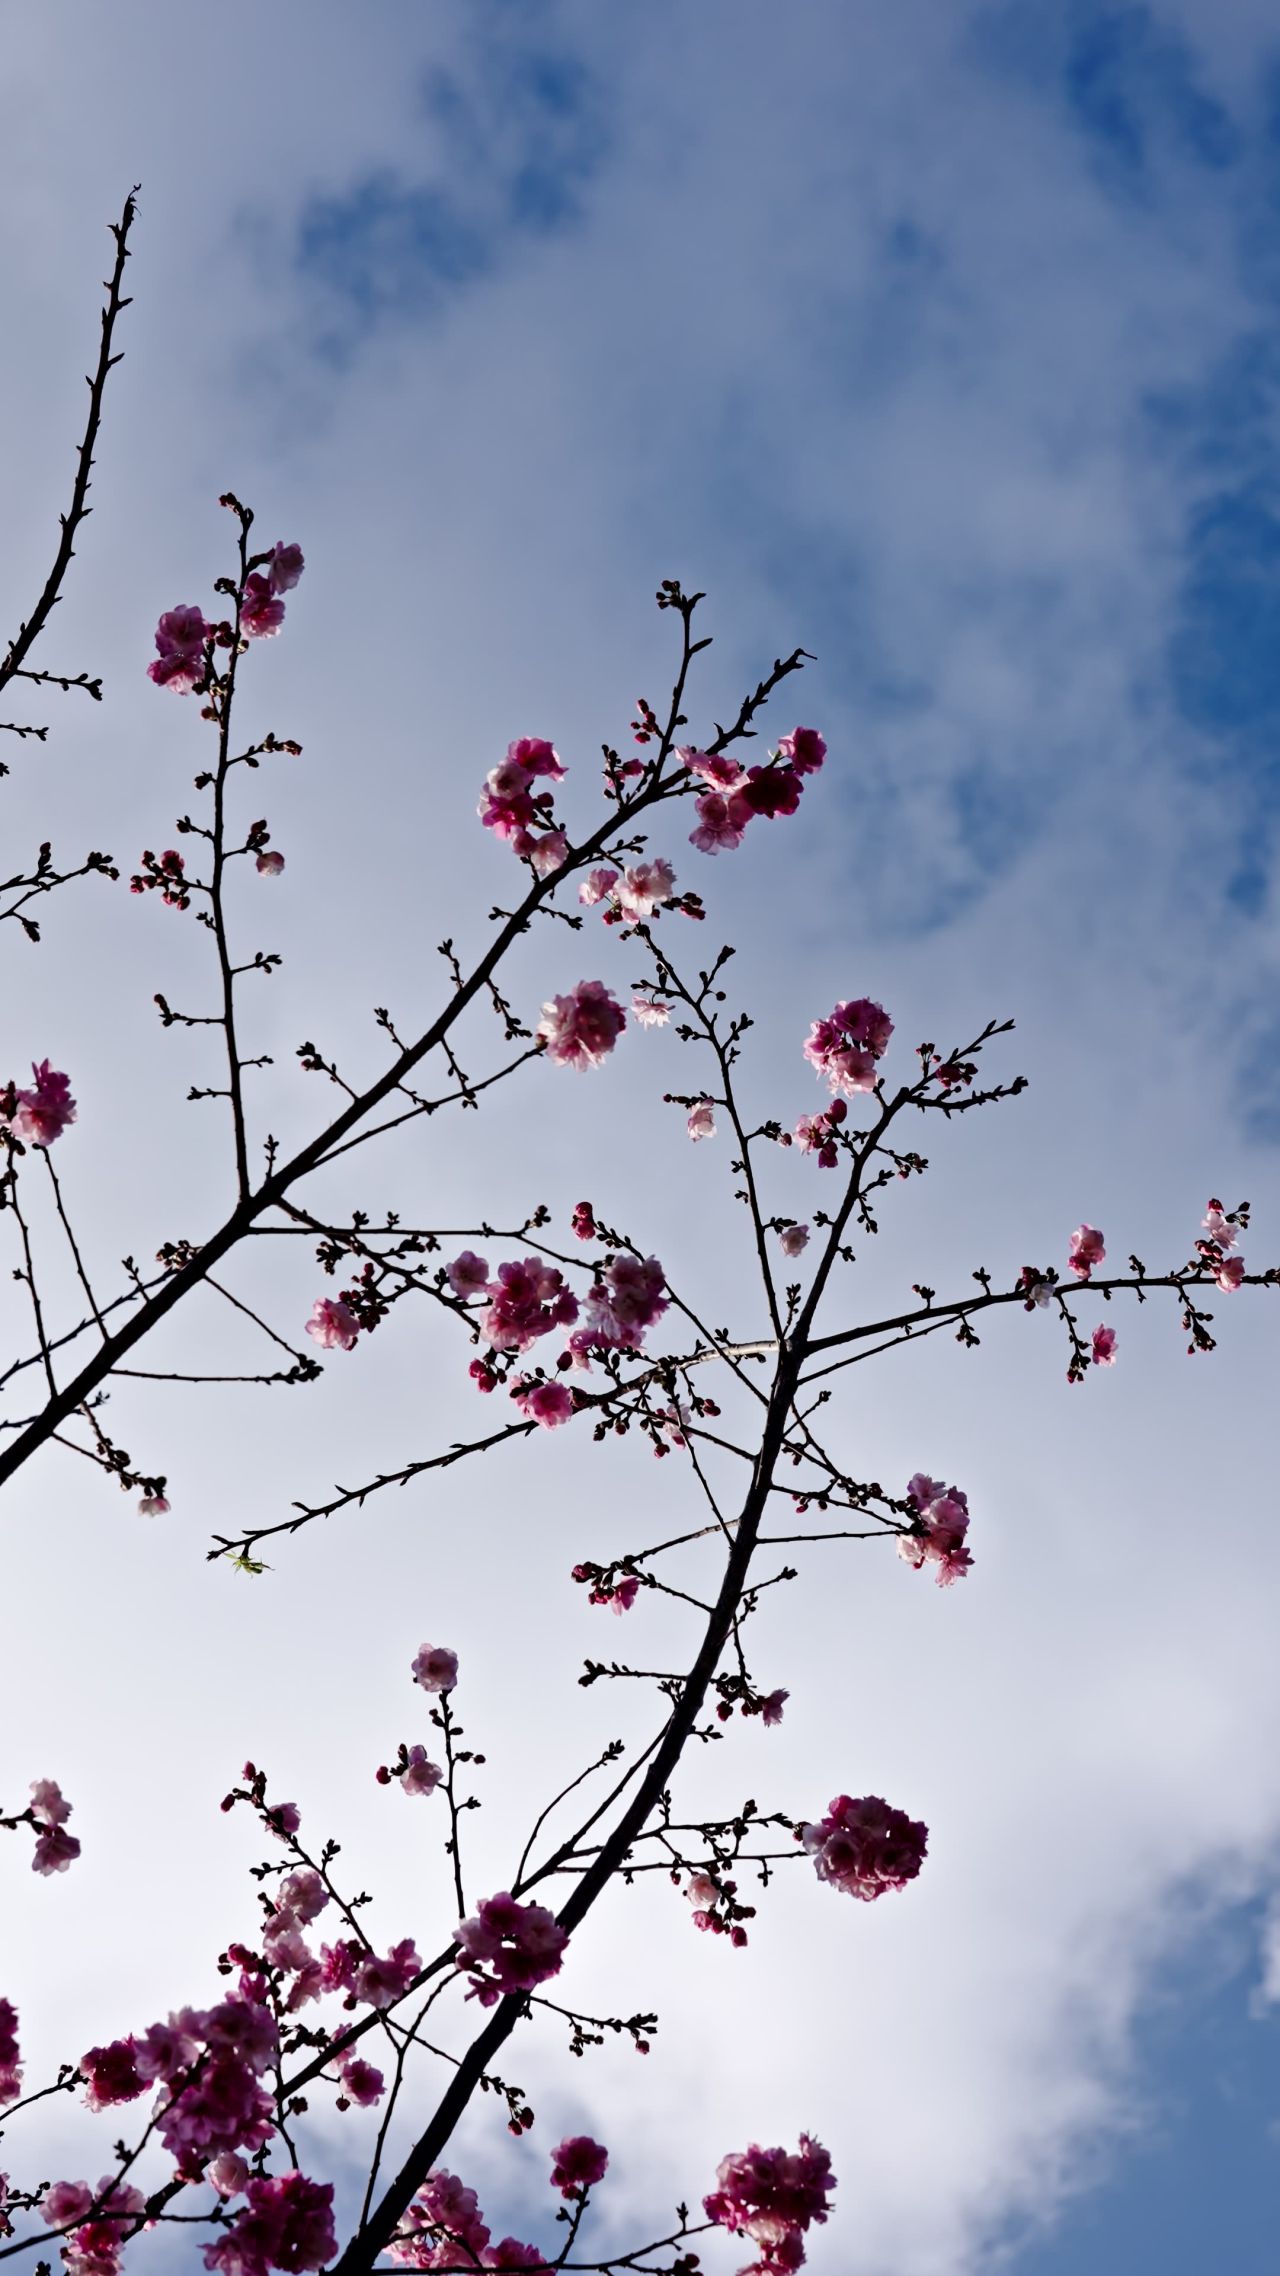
866 1847
41 1114
519 1945
55 1848
717 1911
577 2164
942 1517
1087 1249
435 1668
1220 1229
165 873
735 795
528 1299
818 1133
10 2054
581 1029
619 1594
848 1046
444 2228
94 2246
772 2196
287 2223
181 661
621 1307
1104 1347
333 1324
261 607
630 896
547 1404
514 810
183 637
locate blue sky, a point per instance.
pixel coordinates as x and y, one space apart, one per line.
945 341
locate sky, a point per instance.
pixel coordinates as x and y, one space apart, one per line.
945 342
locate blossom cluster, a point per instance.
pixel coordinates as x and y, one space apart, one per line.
580 1030
105 2217
10 2054
866 1847
1220 1229
513 809
848 1046
287 2223
49 1810
736 795
185 642
772 2197
444 2227
39 1115
819 1134
510 1947
940 1522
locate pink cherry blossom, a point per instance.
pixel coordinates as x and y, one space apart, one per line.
1229 1274
93 2248
1086 1250
520 1945
527 1300
1104 1347
1036 1287
380 1983
578 2163
817 1133
468 1275
596 886
536 757
333 1324
49 1805
581 1029
284 1818
55 1849
583 1221
715 767
110 2074
420 1775
154 1505
1219 1228
302 1893
227 2173
549 853
219 2106
510 2253
46 1110
792 1239
288 2223
443 2227
435 1668
261 610
549 1404
772 1706
630 1299
619 1595
866 1847
769 791
804 749
650 1011
942 1513
847 1046
10 2056
180 660
270 862
701 1122
722 822
285 567
361 2083
644 888
772 2196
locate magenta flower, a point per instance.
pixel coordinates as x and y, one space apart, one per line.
420 1776
361 2083
1086 1250
528 1299
535 757
866 1847
520 1945
261 610
180 660
1104 1347
942 1515
95 2247
10 2055
510 2253
443 2227
1229 1274
47 1109
549 1404
630 1298
55 1848
285 567
578 2163
380 1983
333 1324
288 2223
816 1133
435 1668
804 749
770 791
771 1708
716 768
701 1121
468 1275
847 1046
596 886
771 2196
110 2074
228 2174
583 1222
581 1029
722 822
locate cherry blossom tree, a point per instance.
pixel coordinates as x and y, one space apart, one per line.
563 1320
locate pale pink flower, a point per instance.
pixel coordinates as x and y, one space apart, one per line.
700 1891
549 853
382 1982
1229 1274
520 1945
10 2055
1218 1227
361 2083
619 1596
650 1011
261 610
287 2223
792 1239
54 1851
270 862
866 1847
804 749
644 889
701 1122
1036 1288
468 1275
722 822
1086 1250
715 767
549 1404
420 1776
943 1515
285 567
333 1324
49 1805
228 2174
153 1505
509 2253
596 886
46 1110
1104 1347
65 2201
847 1046
435 1668
302 1893
180 661
581 1029
578 2163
